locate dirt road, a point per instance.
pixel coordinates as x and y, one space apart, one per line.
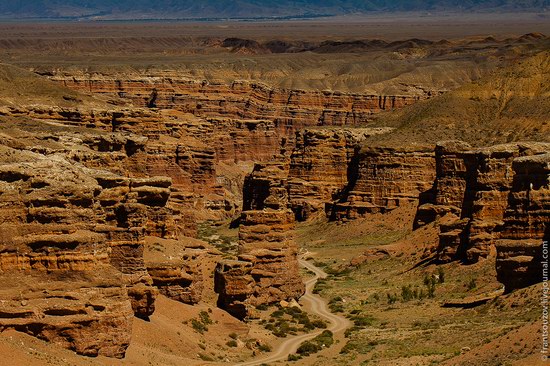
314 304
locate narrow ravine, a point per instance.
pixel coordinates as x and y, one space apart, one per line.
315 305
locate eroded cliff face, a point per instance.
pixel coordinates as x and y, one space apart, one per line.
479 197
289 109
162 144
320 166
180 268
267 267
72 250
526 224
206 136
472 187
78 206
384 178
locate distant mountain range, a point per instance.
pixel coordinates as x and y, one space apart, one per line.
249 9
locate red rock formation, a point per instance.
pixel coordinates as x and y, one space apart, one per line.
60 221
75 220
319 166
290 110
158 144
239 122
383 179
526 223
176 267
267 270
472 185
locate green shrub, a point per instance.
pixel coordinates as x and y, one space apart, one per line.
350 330
363 321
293 357
264 347
231 343
198 326
429 282
205 318
205 357
324 339
307 348
441 274
277 314
319 324
359 347
406 293
294 311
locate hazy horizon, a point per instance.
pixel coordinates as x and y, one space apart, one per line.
248 9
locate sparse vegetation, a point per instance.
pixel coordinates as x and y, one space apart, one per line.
264 347
293 357
291 320
321 341
206 357
231 343
201 324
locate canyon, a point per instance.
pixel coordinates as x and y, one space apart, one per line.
108 178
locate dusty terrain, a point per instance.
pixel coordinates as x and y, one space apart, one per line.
172 174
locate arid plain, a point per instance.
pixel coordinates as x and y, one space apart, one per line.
355 190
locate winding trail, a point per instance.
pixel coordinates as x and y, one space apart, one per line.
316 305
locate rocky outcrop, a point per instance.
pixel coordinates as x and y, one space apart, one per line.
71 250
139 143
472 185
177 267
319 166
267 270
384 178
526 226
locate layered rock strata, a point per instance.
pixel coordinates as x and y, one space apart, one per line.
195 127
160 144
289 109
267 268
526 224
319 166
384 178
71 250
176 267
472 186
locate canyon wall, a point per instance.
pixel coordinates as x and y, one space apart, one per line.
205 136
320 166
289 109
71 250
384 178
162 144
526 224
81 222
472 187
492 198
